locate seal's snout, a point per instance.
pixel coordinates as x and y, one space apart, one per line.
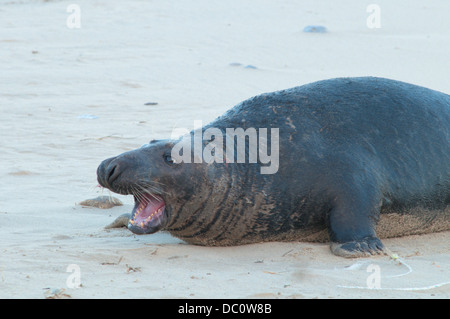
119 173
108 172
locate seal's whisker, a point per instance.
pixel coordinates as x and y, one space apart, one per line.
94 187
142 194
148 192
148 187
138 194
150 183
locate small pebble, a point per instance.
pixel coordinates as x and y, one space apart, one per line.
103 202
315 29
88 116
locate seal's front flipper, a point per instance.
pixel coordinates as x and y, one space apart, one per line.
363 247
352 223
121 221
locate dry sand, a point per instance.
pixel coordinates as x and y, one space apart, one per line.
70 98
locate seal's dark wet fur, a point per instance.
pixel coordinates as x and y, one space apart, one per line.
359 157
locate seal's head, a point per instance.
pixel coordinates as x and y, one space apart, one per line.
159 184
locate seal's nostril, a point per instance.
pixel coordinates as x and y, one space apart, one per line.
112 173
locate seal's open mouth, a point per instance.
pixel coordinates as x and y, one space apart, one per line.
148 216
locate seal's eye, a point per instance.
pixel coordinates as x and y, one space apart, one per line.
168 159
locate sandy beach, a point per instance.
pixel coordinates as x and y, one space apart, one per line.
75 92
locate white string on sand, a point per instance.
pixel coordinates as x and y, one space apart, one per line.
395 257
404 289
